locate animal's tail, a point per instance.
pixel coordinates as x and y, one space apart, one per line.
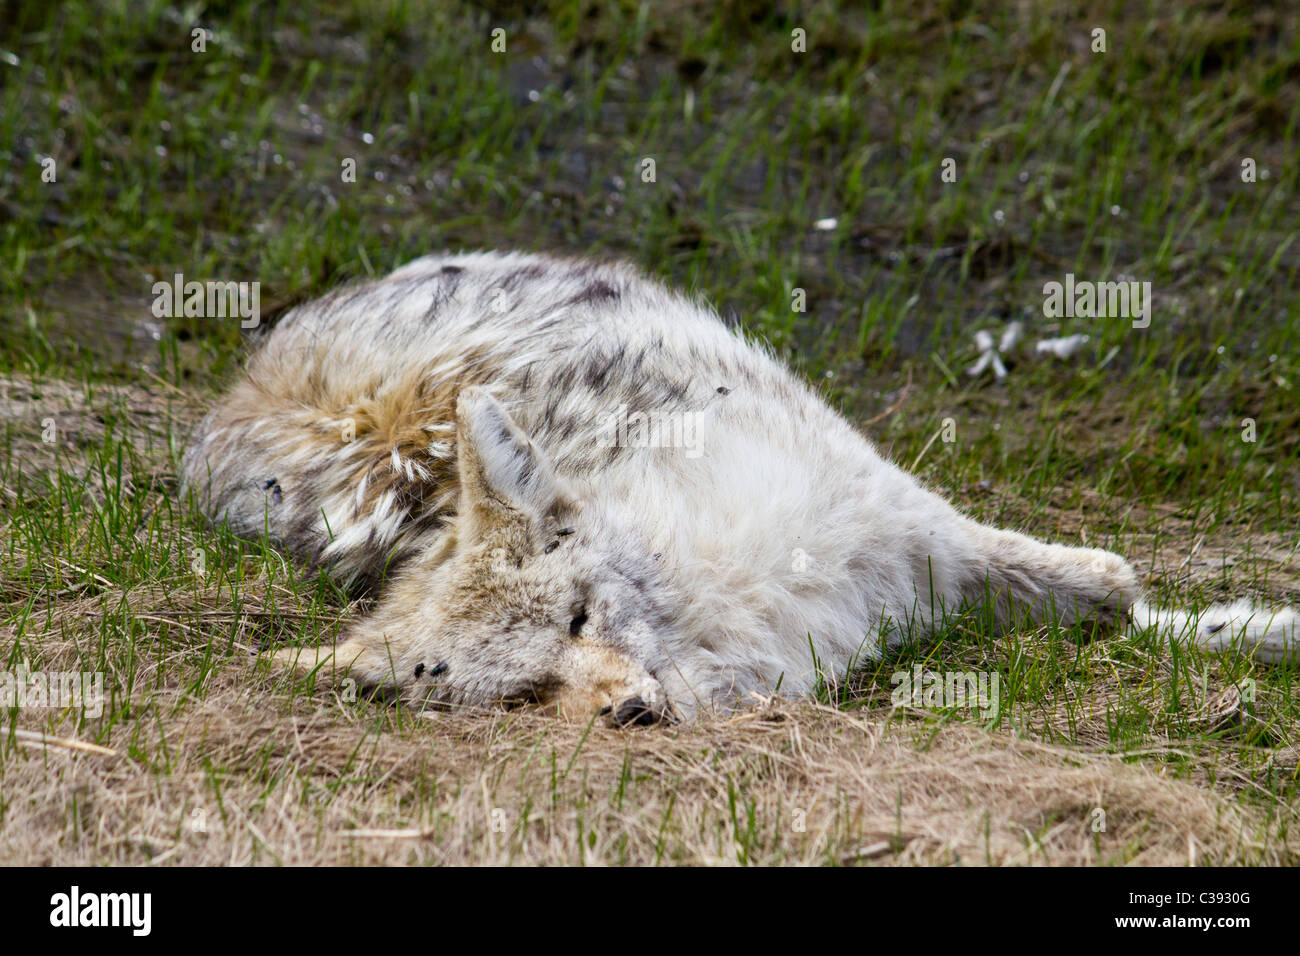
1269 635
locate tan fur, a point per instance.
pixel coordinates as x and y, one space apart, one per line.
458 583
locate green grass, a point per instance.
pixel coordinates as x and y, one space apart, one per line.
226 165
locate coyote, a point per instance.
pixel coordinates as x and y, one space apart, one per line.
574 487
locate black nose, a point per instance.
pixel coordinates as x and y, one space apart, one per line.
634 712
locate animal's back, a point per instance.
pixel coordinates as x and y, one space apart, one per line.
339 440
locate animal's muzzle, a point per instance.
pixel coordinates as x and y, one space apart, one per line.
633 712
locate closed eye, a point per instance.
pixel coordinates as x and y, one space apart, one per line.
579 619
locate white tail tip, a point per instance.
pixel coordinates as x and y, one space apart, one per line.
1271 635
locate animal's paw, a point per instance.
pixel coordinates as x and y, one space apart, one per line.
1115 575
1087 584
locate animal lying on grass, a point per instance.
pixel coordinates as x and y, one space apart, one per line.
584 491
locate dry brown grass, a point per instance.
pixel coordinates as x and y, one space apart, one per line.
321 783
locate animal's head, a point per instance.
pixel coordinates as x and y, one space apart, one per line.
533 597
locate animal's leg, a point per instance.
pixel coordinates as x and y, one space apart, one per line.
374 666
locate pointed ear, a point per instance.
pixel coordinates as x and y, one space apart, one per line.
498 463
